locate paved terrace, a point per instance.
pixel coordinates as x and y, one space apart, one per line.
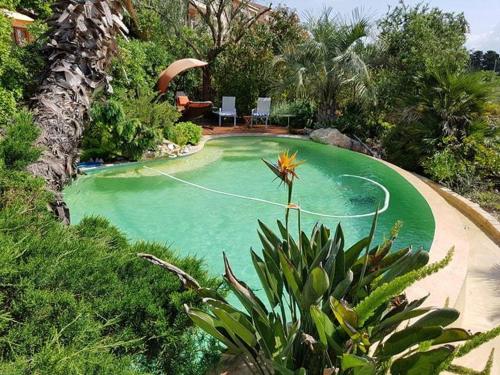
243 129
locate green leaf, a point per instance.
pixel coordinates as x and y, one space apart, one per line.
266 333
341 289
316 285
323 324
360 365
262 272
246 296
382 294
291 276
274 274
207 323
352 254
394 257
440 317
421 363
269 234
397 318
452 335
346 317
406 338
235 325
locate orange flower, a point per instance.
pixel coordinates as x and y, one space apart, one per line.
285 167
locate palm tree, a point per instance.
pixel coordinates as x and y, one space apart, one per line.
328 66
81 43
449 102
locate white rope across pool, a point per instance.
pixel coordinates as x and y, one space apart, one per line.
383 209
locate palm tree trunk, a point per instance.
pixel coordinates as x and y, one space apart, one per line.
327 111
81 42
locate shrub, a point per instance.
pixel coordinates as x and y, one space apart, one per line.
16 149
7 106
184 133
126 127
446 168
489 200
360 121
76 300
304 112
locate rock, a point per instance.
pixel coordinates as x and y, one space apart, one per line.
332 136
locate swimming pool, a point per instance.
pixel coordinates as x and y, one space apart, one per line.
190 214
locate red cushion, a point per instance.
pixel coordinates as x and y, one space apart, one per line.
182 100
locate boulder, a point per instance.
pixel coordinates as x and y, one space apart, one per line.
334 137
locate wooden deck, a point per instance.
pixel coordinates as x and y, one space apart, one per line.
243 129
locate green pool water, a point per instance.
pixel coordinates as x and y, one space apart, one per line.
147 205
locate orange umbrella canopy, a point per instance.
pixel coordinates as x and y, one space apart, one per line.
176 68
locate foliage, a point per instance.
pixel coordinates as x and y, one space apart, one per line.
41 8
414 41
19 66
127 127
489 60
328 308
303 111
16 150
489 200
327 68
473 163
184 133
246 70
285 25
442 111
138 64
361 121
75 299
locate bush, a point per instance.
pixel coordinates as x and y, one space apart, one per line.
77 300
126 127
304 112
184 133
469 165
359 121
446 168
16 150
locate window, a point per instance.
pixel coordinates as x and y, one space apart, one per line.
21 36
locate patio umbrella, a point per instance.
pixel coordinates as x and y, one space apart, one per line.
176 68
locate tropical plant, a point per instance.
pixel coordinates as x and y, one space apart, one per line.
329 308
184 133
327 66
446 110
81 43
450 100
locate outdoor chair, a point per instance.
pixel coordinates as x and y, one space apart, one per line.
263 110
228 109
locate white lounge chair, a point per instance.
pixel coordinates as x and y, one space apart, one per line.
228 109
263 109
